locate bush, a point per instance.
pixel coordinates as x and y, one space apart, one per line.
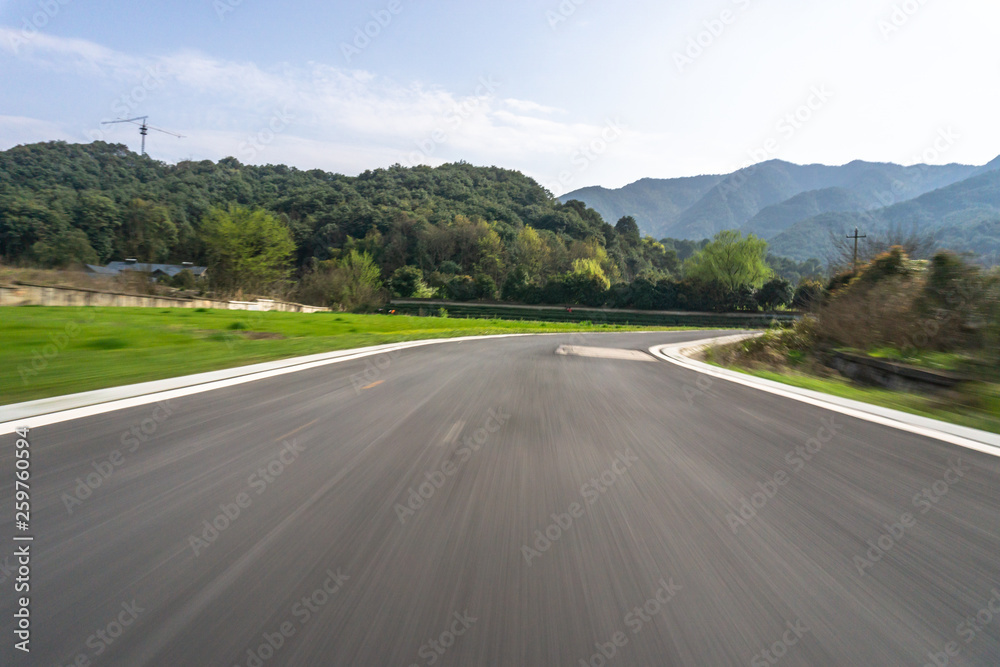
184 280
807 295
461 288
407 282
352 282
486 287
775 293
515 285
449 268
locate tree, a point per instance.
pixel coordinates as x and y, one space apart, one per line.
586 283
360 284
516 285
353 282
486 287
68 247
529 252
775 293
249 251
408 282
148 232
461 288
628 230
491 251
24 222
731 261
97 216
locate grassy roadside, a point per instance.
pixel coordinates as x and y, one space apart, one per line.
978 408
63 350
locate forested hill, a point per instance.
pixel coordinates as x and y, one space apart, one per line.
98 201
798 208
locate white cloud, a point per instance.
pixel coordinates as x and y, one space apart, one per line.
310 116
527 106
21 130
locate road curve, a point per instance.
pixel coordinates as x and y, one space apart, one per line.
492 502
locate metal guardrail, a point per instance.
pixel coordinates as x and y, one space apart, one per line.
480 310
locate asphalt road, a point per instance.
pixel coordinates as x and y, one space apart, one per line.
571 505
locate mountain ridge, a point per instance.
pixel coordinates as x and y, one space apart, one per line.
798 206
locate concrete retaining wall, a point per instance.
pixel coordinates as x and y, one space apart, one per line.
23 294
900 377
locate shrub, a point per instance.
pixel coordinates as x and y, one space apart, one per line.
775 293
486 287
807 295
407 282
461 288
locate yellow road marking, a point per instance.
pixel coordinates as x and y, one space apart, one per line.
291 433
373 384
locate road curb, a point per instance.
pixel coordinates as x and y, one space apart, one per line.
45 411
970 438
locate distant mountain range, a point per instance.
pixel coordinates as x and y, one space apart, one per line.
797 207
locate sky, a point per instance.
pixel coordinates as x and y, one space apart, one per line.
571 92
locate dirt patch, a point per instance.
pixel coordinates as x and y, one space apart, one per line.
249 335
262 335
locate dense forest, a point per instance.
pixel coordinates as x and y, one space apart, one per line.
455 231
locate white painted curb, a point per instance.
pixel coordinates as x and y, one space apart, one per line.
57 409
970 438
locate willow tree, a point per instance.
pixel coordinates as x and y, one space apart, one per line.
731 261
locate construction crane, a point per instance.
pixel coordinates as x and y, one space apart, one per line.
143 128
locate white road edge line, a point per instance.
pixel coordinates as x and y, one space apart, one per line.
50 413
969 438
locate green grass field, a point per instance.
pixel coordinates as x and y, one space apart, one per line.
63 350
981 411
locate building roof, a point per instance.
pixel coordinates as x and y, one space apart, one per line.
101 270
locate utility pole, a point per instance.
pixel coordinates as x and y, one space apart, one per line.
856 236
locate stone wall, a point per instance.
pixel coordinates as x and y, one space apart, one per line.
24 294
